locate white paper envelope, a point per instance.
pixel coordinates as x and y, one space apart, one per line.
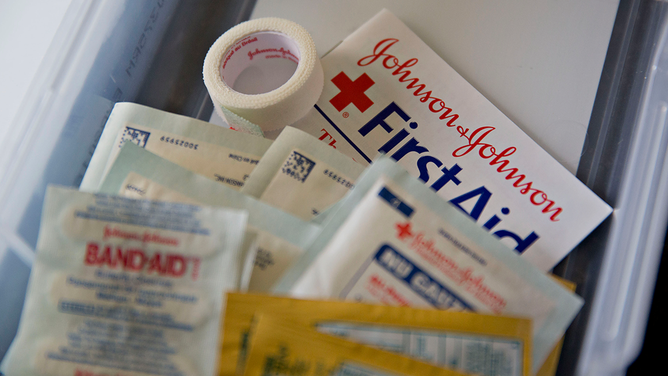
387 91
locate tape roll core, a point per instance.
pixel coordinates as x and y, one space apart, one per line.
264 71
261 61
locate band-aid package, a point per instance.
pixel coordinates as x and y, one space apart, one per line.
281 236
124 286
220 154
394 241
461 341
299 175
280 347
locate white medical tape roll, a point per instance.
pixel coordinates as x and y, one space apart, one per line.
263 74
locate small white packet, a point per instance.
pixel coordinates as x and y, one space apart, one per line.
140 188
302 176
220 154
394 241
124 286
281 236
249 249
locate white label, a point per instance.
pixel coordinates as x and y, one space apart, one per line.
137 186
224 165
305 186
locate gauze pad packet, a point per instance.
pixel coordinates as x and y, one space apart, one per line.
281 237
220 154
302 176
549 367
280 347
394 241
126 287
463 341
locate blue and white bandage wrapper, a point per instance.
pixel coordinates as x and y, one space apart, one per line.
263 74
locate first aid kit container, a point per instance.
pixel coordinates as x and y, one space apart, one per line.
151 52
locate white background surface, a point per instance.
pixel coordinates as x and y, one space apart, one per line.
538 61
26 30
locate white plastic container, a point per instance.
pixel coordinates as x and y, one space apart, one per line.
105 51
151 52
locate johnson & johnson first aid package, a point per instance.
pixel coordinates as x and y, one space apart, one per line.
281 237
220 154
387 91
126 287
395 241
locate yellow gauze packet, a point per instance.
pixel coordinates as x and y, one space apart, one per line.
411 331
282 347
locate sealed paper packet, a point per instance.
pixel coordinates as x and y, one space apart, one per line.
281 236
549 367
462 341
387 91
394 241
249 249
144 189
301 176
220 154
124 286
279 347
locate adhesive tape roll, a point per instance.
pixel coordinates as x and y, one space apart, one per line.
264 74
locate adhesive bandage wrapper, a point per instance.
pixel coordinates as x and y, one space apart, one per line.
281 237
263 74
124 286
220 154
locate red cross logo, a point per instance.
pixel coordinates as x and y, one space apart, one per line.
352 92
404 230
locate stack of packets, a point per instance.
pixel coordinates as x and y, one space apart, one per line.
191 249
